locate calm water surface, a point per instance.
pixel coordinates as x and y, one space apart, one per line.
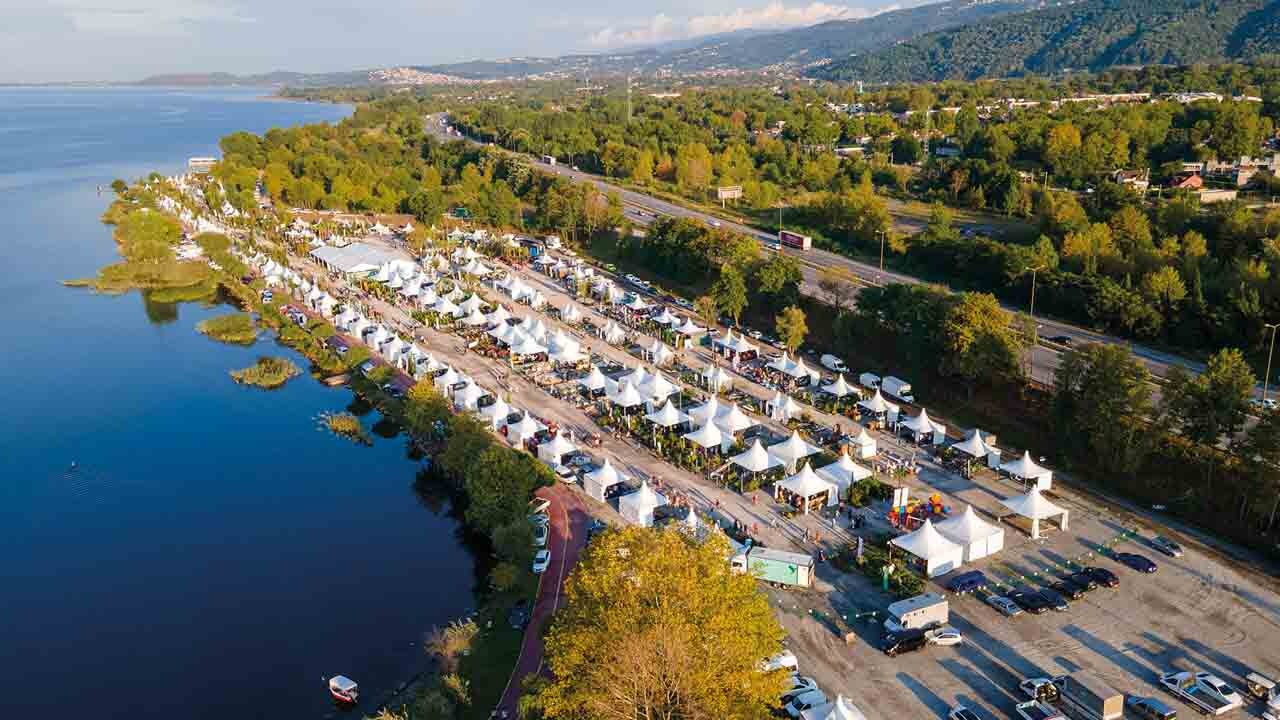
213 555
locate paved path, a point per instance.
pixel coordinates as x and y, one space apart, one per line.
568 537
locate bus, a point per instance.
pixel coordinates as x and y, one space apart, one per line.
786 238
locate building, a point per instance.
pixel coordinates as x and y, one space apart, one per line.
1139 181
357 259
1186 181
201 165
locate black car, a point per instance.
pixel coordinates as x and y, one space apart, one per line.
966 582
1082 580
895 643
1103 577
1056 600
1067 589
1060 340
519 615
1030 601
1136 562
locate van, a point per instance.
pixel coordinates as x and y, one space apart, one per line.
869 380
834 364
903 641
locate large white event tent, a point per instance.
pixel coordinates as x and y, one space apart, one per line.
553 450
973 445
667 416
1026 470
756 459
844 472
658 353
657 388
593 381
496 412
792 450
1036 507
708 436
706 412
626 396
839 388
446 380
475 318
978 537
921 428
938 554
732 420
598 481
468 398
638 507
524 429
807 487
864 446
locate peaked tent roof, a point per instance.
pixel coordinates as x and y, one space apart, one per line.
920 423
756 458
658 387
497 409
665 317
606 474
526 426
707 436
875 403
973 445
844 471
839 388
706 412
733 420
1024 467
967 527
806 483
667 416
715 376
570 313
690 328
593 380
927 543
557 445
793 448
1032 506
626 396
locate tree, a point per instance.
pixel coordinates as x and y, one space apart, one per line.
426 411
730 292
1165 288
499 483
643 170
119 186
1088 246
791 327
693 167
468 438
707 310
778 279
1261 451
980 344
1214 404
1101 402
840 285
906 150
665 612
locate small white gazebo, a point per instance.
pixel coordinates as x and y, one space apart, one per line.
792 450
667 416
839 388
978 537
626 396
472 303
665 317
1036 507
809 489
715 378
732 420
468 398
1026 470
475 318
690 328
524 429
638 507
922 428
844 472
864 446
783 407
499 316
613 334
973 445
446 380
552 451
938 554
756 459
496 412
598 481
571 314
657 388
708 436
658 353
593 381
876 404
706 412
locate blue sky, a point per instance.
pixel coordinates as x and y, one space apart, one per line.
57 40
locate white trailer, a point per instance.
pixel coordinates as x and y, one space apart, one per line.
898 388
919 612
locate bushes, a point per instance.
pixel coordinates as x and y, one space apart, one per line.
267 373
234 328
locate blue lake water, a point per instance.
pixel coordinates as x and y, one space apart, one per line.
213 554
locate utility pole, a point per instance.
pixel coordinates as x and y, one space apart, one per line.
881 234
1035 329
1266 378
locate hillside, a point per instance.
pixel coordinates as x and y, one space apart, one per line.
1088 35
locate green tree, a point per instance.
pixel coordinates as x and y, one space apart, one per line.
981 345
665 612
499 483
730 292
791 327
707 309
425 410
1213 405
1101 404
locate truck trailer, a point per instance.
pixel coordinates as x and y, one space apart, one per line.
1088 697
775 566
918 613
898 388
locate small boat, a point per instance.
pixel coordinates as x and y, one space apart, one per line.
344 689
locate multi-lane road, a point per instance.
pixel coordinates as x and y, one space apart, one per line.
644 209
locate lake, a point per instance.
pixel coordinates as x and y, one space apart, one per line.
211 554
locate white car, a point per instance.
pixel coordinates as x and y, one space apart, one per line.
797 686
539 505
785 660
1224 691
541 560
540 534
805 701
945 636
961 712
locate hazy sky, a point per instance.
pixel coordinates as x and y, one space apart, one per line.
54 40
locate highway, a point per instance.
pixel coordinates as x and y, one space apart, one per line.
644 209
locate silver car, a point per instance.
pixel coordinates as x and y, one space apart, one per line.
1007 607
1166 546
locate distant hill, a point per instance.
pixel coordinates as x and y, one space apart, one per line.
1087 35
271 79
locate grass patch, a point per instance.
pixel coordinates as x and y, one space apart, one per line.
124 276
488 667
267 373
233 328
346 425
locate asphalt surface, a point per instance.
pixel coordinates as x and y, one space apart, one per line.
644 209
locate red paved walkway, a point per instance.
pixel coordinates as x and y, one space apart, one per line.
567 538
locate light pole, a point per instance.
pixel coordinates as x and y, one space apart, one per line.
880 233
1035 330
1271 348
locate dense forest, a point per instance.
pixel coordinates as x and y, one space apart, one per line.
1087 35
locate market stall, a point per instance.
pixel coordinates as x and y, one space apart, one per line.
932 552
1034 507
976 536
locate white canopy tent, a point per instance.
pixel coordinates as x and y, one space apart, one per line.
864 446
593 381
1035 507
496 412
706 412
690 328
446 380
715 378
525 346
598 481
844 472
792 450
1026 470
468 398
499 316
708 436
756 459
552 451
471 303
524 429
973 445
638 507
938 554
613 333
571 313
665 317
978 537
841 709
657 388
876 404
667 416
781 363
921 428
783 407
475 319
626 396
658 353
839 388
732 420
565 349
809 489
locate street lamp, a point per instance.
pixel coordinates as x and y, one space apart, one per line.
1266 378
880 234
1035 330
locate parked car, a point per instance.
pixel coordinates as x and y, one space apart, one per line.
1166 546
1029 600
1006 606
1136 562
961 712
967 582
540 535
903 641
797 686
944 636
1040 688
518 618
805 701
1084 580
1149 708
566 474
1103 577
785 660
541 560
1067 589
1056 600
539 505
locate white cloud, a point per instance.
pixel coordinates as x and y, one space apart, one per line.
775 15
147 17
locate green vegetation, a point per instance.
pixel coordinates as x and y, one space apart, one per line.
233 328
1087 35
665 612
268 373
346 425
